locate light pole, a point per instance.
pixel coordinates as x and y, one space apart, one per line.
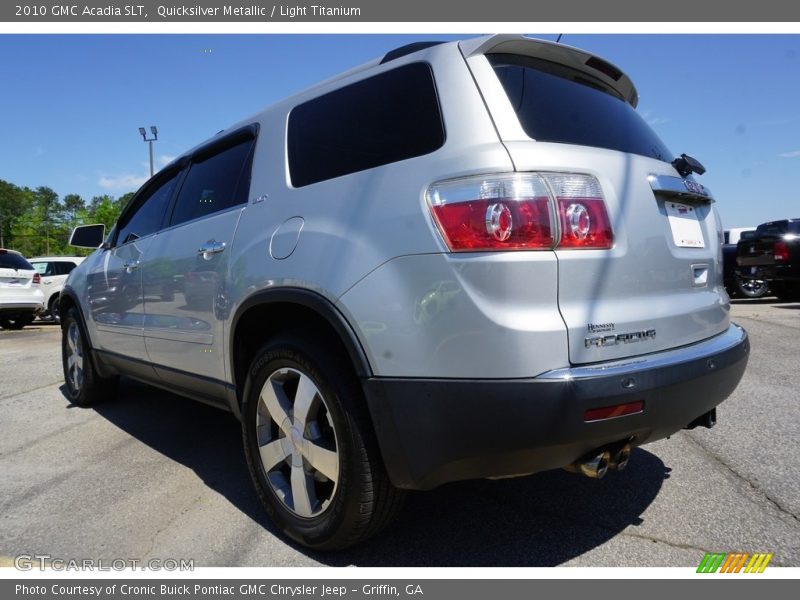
150 141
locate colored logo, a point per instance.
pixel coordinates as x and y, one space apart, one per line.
737 562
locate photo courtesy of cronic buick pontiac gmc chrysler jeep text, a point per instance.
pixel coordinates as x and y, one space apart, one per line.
461 260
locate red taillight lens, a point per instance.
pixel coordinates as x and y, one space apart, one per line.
584 223
37 278
500 212
513 212
780 250
493 225
582 212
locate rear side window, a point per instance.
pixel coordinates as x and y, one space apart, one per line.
384 119
9 260
218 182
149 211
555 103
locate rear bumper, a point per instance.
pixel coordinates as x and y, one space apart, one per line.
436 431
788 273
21 307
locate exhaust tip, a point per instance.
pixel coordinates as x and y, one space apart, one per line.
620 458
595 466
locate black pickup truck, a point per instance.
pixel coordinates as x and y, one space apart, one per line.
736 286
773 254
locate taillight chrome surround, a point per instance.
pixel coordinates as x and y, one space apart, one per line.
521 211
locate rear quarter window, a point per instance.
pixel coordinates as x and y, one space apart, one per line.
383 119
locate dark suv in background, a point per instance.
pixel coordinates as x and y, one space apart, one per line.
772 254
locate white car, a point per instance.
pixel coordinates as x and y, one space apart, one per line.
54 271
21 296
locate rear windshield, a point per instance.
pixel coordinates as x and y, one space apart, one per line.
555 103
14 261
778 228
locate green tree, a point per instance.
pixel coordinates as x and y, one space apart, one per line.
73 205
12 207
103 209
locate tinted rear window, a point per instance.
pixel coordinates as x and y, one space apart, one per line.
387 118
14 261
555 103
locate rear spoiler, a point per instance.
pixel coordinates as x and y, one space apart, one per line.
557 53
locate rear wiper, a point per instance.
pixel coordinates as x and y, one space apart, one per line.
686 165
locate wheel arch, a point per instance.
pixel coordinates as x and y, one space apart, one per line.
268 312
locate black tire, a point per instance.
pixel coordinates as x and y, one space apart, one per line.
54 308
16 323
361 500
751 288
84 386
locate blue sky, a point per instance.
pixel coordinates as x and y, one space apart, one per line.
71 105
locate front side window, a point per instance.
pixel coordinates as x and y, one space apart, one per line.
384 119
148 214
216 183
43 268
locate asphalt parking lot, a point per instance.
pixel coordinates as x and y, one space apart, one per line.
152 475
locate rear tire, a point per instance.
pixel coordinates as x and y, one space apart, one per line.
16 323
310 446
85 387
751 288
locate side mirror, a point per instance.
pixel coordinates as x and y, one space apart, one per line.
88 236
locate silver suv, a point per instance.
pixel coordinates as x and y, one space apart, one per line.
461 260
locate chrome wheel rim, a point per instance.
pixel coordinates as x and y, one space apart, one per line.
74 358
297 443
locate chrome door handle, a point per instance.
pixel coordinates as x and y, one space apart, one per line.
131 266
47 282
210 248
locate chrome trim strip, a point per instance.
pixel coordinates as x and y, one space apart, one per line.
678 186
126 329
176 335
731 338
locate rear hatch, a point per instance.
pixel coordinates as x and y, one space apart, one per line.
659 284
16 273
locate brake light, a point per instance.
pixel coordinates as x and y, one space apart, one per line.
516 211
780 250
37 278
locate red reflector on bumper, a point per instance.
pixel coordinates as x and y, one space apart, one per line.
618 410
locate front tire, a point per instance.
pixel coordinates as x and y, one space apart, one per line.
85 387
310 446
54 309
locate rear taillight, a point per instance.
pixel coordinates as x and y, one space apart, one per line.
37 278
780 250
516 212
581 212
